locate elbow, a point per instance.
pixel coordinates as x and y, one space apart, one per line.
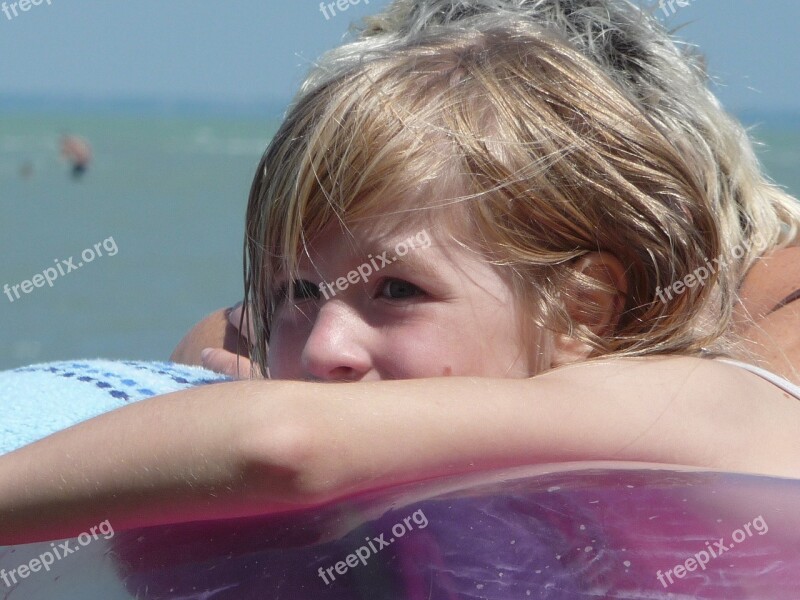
285 464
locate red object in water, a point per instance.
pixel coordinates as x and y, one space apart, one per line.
78 152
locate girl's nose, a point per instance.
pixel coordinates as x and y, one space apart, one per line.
335 349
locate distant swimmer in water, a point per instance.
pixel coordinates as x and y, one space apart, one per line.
78 152
26 170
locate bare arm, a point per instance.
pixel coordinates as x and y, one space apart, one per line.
251 447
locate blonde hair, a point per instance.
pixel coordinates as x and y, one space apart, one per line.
551 160
666 79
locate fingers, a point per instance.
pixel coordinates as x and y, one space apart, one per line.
228 363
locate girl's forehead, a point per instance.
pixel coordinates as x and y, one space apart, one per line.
373 238
414 242
436 205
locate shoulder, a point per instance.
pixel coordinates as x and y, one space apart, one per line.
687 410
700 391
668 370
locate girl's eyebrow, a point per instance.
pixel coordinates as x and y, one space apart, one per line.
417 263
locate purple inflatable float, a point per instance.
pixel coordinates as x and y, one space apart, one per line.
559 532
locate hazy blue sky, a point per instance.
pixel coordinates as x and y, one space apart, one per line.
244 50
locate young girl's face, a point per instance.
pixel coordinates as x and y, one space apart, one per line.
367 307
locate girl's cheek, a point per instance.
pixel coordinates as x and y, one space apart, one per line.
285 351
417 354
442 351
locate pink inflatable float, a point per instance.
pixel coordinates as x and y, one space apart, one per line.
559 532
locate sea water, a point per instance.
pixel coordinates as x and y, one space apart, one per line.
170 192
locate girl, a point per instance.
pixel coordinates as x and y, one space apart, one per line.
555 210
667 83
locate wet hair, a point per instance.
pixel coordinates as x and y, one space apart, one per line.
506 129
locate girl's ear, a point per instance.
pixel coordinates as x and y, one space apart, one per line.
599 310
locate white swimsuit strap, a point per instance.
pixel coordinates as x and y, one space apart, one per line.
786 385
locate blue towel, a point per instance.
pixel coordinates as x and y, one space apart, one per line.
38 400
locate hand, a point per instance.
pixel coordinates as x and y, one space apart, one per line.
229 363
215 344
225 360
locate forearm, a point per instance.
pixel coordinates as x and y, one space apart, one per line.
678 411
176 457
251 447
402 431
241 448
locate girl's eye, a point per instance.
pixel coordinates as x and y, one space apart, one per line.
397 289
298 291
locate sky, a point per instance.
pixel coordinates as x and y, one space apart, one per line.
252 50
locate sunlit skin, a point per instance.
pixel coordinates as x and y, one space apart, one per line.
252 447
774 338
438 310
